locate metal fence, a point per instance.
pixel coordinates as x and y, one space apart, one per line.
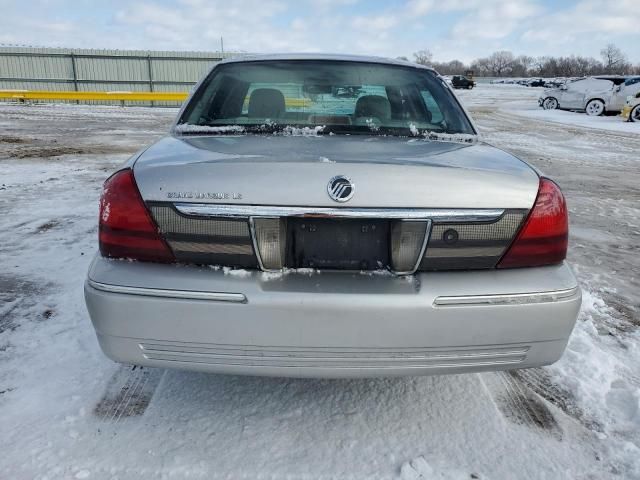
24 68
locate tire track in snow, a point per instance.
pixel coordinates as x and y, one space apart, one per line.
538 380
520 404
128 393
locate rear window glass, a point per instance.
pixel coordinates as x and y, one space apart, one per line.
341 97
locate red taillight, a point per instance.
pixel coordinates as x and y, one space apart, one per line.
126 228
543 238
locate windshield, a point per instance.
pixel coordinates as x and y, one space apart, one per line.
326 96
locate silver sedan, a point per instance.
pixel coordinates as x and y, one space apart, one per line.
330 216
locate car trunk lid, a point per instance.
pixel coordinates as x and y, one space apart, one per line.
387 172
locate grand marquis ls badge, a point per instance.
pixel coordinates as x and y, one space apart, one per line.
206 195
341 188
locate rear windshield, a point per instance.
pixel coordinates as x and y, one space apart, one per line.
331 97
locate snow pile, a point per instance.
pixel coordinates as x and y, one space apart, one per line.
268 127
213 130
450 137
278 275
237 272
373 125
442 137
605 386
303 131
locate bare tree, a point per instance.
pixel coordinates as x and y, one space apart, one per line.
481 67
423 57
587 66
567 67
521 66
453 67
537 66
615 61
505 64
500 63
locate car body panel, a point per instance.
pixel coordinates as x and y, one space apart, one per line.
328 323
294 170
630 88
332 324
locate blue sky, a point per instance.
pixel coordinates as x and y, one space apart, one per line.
463 29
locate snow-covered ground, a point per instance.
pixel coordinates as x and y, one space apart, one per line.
68 412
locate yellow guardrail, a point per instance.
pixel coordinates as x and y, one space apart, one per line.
118 96
89 96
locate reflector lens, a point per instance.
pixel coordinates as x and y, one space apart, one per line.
543 238
126 228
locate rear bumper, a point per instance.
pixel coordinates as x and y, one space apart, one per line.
330 324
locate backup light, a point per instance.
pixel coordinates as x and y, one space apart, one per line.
407 241
126 229
270 239
543 238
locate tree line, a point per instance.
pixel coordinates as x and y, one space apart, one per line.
503 63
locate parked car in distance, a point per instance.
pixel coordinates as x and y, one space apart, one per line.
362 229
631 109
532 82
461 81
593 95
536 82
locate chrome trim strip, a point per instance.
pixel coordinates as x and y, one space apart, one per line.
506 299
157 292
361 365
438 215
391 355
202 247
453 253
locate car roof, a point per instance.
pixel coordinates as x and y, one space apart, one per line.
323 56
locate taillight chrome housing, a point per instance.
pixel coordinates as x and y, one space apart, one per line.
126 229
543 238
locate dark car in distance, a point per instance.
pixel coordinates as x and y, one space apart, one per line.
460 81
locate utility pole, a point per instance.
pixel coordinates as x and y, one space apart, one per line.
222 47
